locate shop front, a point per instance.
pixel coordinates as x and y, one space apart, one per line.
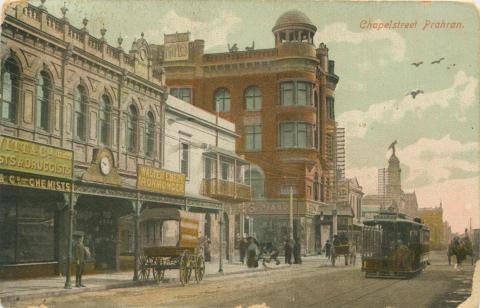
34 179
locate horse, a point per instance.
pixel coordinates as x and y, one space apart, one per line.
460 248
347 250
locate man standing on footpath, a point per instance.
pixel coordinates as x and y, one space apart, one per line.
81 253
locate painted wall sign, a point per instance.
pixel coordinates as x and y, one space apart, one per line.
29 157
35 182
162 181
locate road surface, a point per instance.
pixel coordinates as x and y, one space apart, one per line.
312 284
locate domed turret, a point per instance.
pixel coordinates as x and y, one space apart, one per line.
294 26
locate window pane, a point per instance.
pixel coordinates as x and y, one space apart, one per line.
8 227
222 100
35 233
150 135
287 93
225 171
303 93
207 168
253 99
184 158
302 136
253 137
10 89
287 136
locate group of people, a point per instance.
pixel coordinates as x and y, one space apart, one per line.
251 252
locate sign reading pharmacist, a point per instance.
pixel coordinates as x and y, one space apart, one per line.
34 158
161 181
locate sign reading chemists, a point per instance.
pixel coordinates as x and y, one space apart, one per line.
34 158
161 181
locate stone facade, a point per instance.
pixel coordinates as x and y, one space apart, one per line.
433 218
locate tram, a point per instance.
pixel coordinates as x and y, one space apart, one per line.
394 246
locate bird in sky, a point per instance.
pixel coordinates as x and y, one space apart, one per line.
417 64
415 93
438 61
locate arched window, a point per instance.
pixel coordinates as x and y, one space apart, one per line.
222 100
255 178
104 120
10 89
150 135
80 117
132 128
253 99
44 90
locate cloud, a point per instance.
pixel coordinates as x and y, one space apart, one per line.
459 198
463 91
214 31
434 160
339 32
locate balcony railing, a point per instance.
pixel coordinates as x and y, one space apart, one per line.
225 190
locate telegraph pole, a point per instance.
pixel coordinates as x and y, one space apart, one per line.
290 215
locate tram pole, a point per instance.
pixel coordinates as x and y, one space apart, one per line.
220 261
290 215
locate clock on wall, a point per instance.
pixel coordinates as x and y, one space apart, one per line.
105 165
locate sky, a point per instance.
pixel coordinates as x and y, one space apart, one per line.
437 132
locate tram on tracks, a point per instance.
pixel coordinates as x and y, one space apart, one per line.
394 246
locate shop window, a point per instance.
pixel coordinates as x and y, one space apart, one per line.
132 129
10 89
80 121
253 99
150 135
185 94
27 233
44 91
253 138
222 100
104 119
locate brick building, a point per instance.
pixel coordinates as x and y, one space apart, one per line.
282 102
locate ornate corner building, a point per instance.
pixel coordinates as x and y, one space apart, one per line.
282 102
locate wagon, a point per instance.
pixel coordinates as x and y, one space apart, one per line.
170 241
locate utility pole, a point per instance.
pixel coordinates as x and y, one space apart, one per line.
290 215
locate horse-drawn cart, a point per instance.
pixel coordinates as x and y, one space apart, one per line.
170 241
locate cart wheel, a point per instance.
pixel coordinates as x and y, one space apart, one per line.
144 268
159 270
199 268
184 269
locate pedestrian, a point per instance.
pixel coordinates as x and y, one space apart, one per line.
252 253
327 248
297 252
243 249
81 254
288 251
206 249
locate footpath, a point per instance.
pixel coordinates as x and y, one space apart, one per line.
474 300
12 291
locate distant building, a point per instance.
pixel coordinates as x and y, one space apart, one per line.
390 194
433 218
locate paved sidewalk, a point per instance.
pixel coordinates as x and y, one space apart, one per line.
14 290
